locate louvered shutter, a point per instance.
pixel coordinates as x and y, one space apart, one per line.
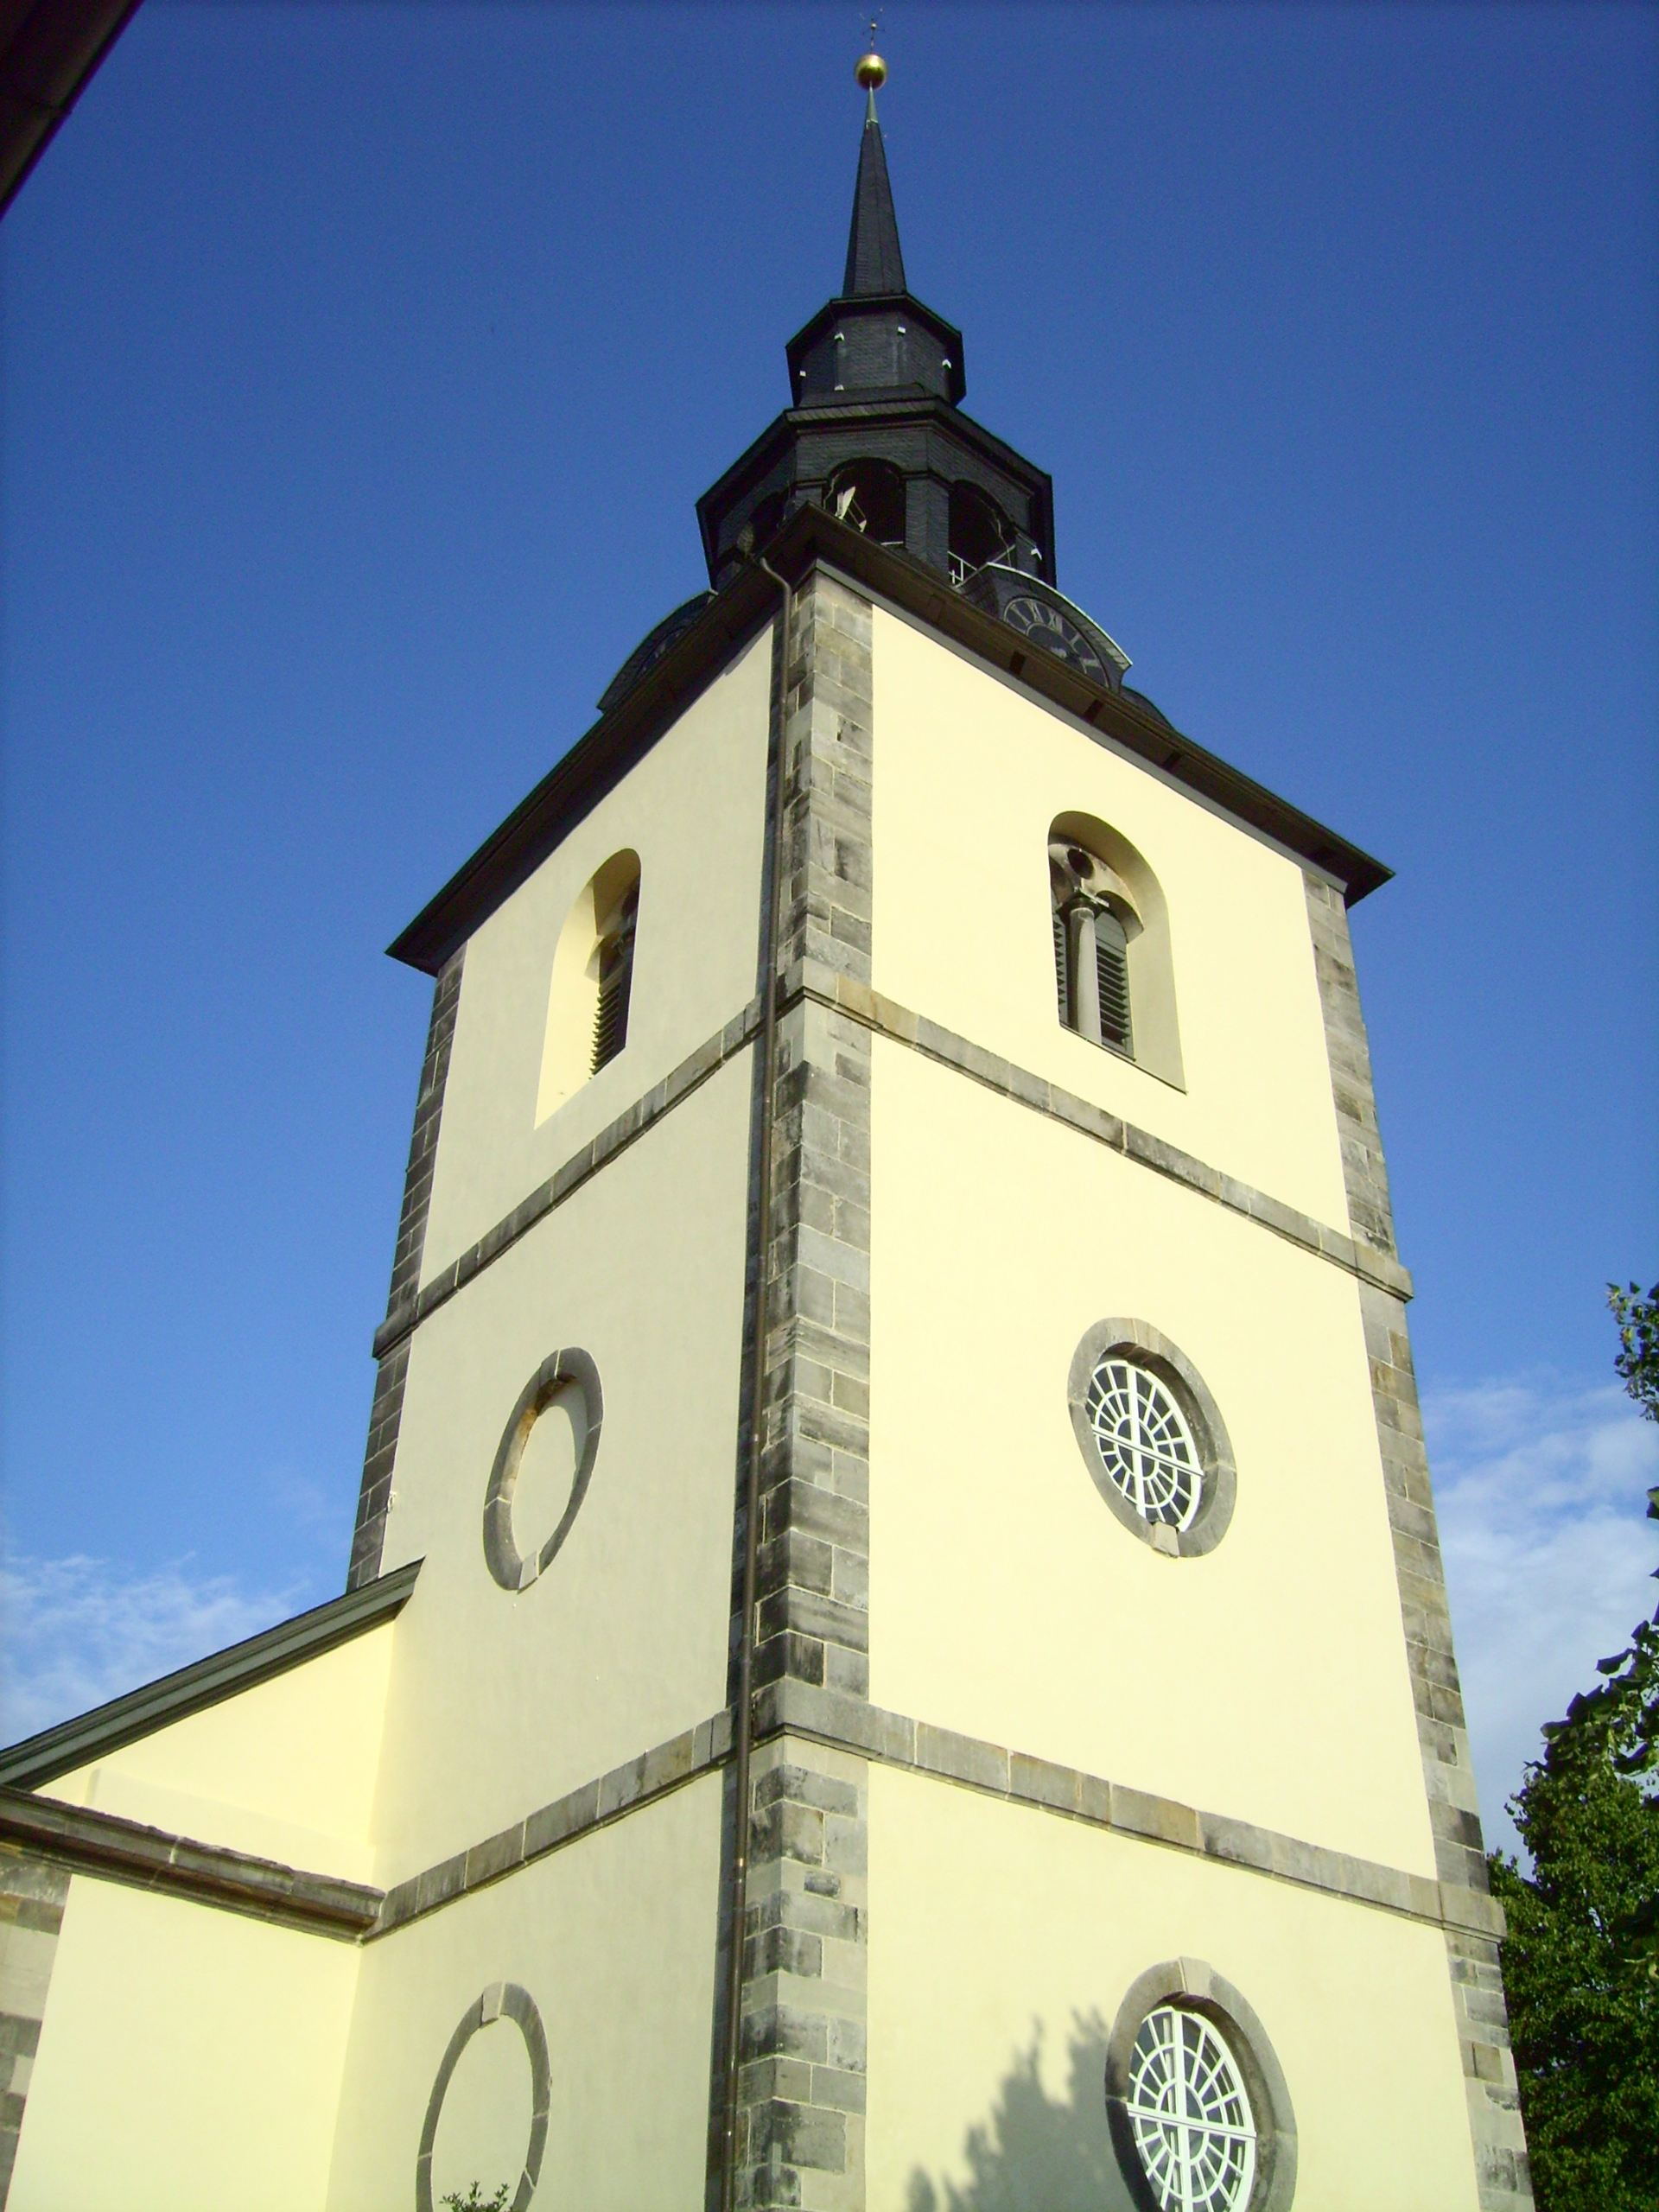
615 984
1112 966
1061 977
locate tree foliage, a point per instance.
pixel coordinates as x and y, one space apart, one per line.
1639 1346
1584 2004
1581 1958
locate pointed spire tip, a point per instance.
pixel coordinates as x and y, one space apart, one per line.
874 262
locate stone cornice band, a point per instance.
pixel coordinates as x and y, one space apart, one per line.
87 1841
809 980
848 1723
889 1019
101 1845
691 1073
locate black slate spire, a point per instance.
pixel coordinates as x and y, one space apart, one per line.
874 264
873 432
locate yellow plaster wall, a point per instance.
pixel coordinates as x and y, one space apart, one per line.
994 1927
1266 1681
693 808
613 1937
969 776
189 2062
285 1770
500 1702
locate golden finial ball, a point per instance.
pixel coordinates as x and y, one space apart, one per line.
872 71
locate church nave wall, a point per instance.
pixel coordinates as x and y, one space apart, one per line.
189 2062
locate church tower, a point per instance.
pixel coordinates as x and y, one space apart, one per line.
896 1653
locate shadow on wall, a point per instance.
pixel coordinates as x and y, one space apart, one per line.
1035 2154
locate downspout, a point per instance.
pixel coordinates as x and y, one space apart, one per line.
743 1730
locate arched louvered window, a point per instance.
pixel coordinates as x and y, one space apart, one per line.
590 992
1092 921
615 982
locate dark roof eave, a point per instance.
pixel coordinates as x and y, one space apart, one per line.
49 52
598 759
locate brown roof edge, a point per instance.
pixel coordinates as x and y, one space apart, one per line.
87 1841
597 760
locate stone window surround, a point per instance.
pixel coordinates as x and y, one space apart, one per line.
569 1370
1191 1985
502 2000
1145 1347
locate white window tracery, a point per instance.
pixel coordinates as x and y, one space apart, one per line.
1145 1443
1194 2130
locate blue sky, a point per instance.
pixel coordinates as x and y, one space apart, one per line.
362 367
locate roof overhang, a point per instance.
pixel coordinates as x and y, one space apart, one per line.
811 538
48 53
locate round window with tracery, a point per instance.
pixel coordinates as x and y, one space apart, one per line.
1193 2127
1145 1443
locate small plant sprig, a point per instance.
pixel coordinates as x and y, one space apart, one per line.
473 2202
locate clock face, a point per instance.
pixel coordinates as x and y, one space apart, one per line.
1045 625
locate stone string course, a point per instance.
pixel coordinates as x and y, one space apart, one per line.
812 982
411 1303
385 1414
33 1893
81 1840
857 1001
1448 1772
637 1783
692 1071
808 1811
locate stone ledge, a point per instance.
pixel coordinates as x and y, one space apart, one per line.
113 1850
809 980
892 1739
593 1805
633 1121
848 1724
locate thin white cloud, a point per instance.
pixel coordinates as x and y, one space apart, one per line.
80 1630
1541 1492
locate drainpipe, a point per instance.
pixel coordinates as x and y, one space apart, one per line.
743 1730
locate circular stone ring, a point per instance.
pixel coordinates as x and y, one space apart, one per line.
565 1372
502 2000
